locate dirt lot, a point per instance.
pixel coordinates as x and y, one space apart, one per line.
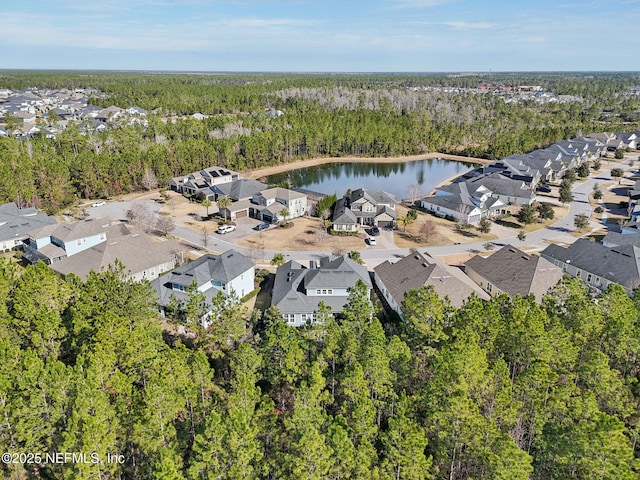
445 232
304 235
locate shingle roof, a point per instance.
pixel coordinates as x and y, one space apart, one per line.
221 268
241 189
292 280
515 272
136 252
342 215
619 264
417 270
374 196
18 222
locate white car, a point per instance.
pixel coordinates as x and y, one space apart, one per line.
98 204
226 229
371 240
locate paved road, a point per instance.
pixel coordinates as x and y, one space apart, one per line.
558 231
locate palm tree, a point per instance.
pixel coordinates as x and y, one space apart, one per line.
206 203
285 214
224 202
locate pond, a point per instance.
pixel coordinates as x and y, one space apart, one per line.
404 180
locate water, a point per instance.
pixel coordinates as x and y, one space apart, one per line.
404 179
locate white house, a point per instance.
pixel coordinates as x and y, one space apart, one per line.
230 273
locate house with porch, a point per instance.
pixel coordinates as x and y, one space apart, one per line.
373 207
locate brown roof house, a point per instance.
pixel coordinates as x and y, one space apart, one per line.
80 247
513 272
415 270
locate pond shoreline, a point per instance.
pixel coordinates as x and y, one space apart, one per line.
261 172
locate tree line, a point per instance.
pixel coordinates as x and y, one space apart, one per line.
506 388
375 115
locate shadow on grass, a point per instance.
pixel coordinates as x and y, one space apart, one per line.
508 224
263 300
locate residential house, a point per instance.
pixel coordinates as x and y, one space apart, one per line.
200 183
344 220
95 245
269 204
598 265
511 271
16 223
373 207
298 291
230 273
508 190
456 201
395 280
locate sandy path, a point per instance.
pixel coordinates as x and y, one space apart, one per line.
312 162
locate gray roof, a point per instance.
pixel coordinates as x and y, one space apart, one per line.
342 215
292 281
241 189
619 264
417 270
72 230
137 252
374 196
221 268
515 272
501 185
614 239
16 223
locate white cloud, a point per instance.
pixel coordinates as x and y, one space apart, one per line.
418 3
460 25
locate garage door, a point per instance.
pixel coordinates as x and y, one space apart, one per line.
242 213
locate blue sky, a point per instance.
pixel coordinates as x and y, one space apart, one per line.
321 36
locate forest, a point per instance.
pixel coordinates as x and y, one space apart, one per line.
324 116
504 389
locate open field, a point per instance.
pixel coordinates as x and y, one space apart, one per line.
304 235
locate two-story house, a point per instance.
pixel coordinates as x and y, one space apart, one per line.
298 291
373 207
230 273
94 245
199 183
269 204
15 223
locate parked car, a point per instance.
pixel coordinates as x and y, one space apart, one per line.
261 227
226 229
375 231
371 240
98 204
543 188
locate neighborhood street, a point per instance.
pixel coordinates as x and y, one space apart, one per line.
558 232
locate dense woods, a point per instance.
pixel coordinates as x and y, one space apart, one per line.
324 115
503 389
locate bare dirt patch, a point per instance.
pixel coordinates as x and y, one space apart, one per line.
304 235
445 232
